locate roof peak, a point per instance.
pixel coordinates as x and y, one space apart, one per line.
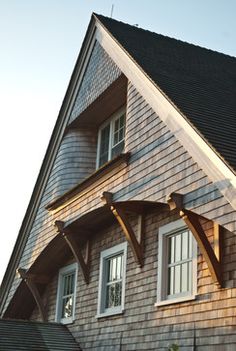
103 20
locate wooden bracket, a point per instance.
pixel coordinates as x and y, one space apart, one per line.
175 201
214 264
218 241
76 250
28 278
212 256
135 243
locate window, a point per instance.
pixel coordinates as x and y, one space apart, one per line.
112 280
177 263
66 292
111 138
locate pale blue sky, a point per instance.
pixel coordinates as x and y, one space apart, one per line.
40 41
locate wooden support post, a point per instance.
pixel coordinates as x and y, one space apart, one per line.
212 261
119 213
76 250
34 291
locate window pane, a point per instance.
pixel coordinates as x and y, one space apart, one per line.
190 243
119 267
177 247
171 244
68 284
177 279
67 307
184 277
113 295
104 145
114 268
170 290
116 150
119 130
190 275
184 245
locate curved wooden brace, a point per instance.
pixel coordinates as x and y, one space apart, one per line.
119 213
212 256
34 291
72 243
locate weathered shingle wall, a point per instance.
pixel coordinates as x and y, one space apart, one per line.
101 71
75 161
206 322
158 166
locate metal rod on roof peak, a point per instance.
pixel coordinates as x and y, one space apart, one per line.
112 8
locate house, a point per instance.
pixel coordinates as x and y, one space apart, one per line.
129 237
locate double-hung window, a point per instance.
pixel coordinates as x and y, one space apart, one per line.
66 294
177 263
112 280
111 137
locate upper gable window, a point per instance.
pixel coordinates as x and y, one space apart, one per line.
111 137
177 263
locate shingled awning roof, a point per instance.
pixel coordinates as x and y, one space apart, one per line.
201 83
18 335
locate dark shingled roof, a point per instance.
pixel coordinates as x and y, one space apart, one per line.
17 335
201 83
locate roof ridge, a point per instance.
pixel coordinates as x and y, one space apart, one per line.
165 36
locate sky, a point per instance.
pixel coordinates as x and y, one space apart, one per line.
39 43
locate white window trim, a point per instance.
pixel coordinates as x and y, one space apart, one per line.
162 299
110 121
65 270
121 248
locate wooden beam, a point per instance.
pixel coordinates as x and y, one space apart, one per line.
76 250
193 223
34 291
119 213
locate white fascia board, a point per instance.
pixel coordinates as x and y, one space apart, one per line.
208 160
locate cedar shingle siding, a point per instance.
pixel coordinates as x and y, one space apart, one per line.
201 83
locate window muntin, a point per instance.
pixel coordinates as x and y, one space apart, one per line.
111 137
112 280
177 263
66 294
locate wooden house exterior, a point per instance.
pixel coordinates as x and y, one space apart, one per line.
130 235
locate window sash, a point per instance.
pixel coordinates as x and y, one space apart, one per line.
112 280
181 258
111 137
66 294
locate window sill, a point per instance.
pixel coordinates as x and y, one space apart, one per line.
175 300
66 321
110 313
99 173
